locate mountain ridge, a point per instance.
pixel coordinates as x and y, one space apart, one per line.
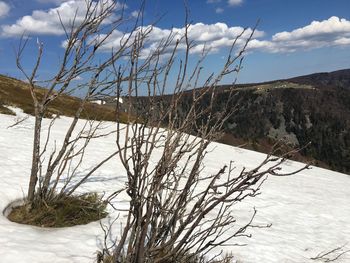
312 108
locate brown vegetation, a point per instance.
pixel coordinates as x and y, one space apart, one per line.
62 212
16 93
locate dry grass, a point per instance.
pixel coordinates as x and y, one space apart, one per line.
62 212
228 258
16 93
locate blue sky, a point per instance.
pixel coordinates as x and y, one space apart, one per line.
294 37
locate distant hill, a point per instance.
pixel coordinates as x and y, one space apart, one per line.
311 109
335 79
16 93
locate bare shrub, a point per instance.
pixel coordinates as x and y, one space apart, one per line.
178 213
86 34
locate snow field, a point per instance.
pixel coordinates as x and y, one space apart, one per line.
309 212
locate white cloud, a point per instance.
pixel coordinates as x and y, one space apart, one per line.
331 32
219 10
77 78
234 2
213 1
323 30
211 36
344 41
135 14
4 9
52 1
42 22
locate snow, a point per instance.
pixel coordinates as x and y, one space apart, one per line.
99 102
309 212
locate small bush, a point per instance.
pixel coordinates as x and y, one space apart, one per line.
61 212
187 258
111 259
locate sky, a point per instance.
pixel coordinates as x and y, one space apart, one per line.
293 37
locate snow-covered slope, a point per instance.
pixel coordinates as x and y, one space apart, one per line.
309 212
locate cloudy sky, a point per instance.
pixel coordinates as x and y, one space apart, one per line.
293 37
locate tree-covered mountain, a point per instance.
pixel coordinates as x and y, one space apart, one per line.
312 109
